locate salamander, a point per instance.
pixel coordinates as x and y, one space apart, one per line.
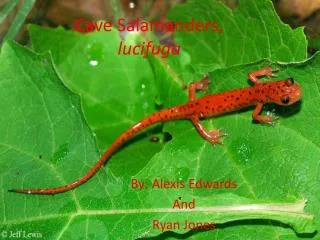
282 92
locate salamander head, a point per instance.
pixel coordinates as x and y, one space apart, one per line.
285 92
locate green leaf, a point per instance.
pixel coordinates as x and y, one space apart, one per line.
89 65
251 32
45 142
92 75
43 139
272 163
42 143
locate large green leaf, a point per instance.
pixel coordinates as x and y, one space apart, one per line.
89 65
251 31
42 142
276 163
137 87
46 142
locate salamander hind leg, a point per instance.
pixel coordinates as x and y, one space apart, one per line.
196 86
213 136
267 71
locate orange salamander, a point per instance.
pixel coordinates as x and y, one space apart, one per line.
283 92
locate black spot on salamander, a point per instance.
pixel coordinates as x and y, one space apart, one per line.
208 102
250 93
237 98
224 99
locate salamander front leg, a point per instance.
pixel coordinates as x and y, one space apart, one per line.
200 85
269 119
213 136
267 71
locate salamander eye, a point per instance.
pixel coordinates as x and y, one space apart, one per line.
285 100
290 81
